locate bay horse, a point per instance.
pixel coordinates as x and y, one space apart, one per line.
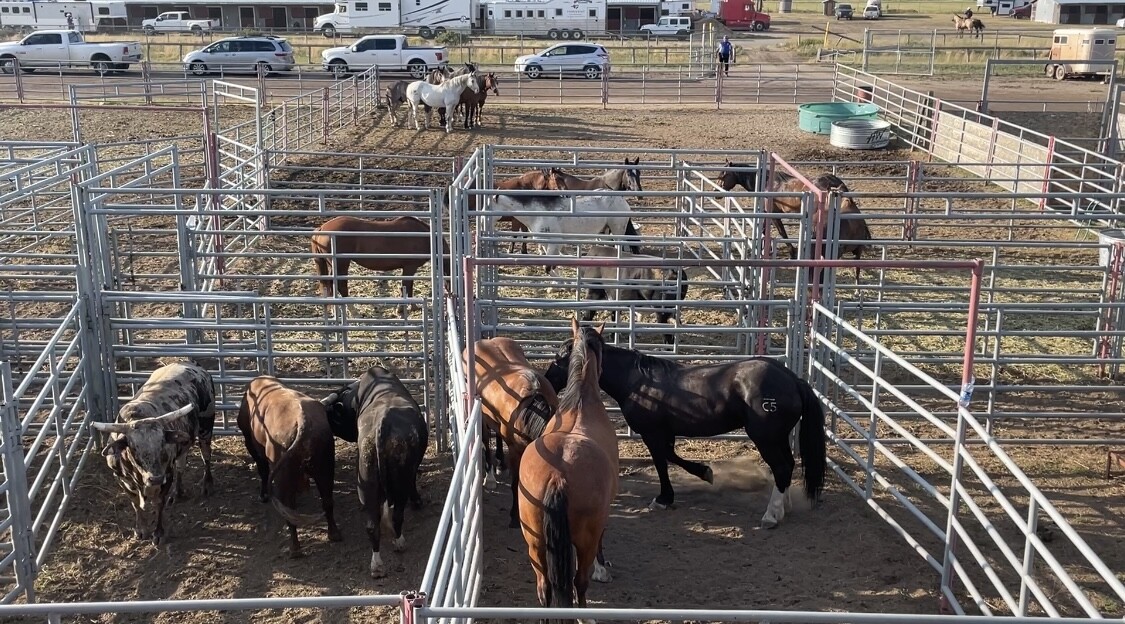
402 242
661 399
534 180
746 176
517 401
445 95
472 103
973 25
568 481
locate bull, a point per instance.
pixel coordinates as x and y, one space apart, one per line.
378 412
148 444
288 437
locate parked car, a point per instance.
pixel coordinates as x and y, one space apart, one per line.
843 11
587 59
1121 23
669 26
246 54
176 21
67 48
388 52
871 12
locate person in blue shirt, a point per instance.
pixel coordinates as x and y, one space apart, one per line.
726 54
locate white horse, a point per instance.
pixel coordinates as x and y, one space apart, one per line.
446 94
564 221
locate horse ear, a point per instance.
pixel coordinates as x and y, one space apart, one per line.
600 327
729 163
574 325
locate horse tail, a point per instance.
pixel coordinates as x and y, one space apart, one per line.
533 413
631 230
811 441
559 559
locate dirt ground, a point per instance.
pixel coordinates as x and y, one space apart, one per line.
704 553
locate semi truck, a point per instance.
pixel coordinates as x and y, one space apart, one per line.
85 16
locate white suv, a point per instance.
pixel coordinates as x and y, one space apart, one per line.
669 26
245 54
587 59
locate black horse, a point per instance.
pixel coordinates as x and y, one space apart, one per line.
662 399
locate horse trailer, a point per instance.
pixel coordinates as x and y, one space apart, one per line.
434 18
555 19
1071 46
1002 7
88 16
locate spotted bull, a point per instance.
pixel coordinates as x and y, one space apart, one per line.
379 412
149 442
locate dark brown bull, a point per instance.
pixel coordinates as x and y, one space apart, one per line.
288 437
379 413
149 443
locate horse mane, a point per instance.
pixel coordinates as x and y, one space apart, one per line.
829 182
463 80
571 399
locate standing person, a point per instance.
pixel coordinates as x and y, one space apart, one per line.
726 54
969 13
69 20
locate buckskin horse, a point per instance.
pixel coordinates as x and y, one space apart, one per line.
746 176
516 401
568 481
661 399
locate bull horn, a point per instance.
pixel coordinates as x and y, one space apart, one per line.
180 413
114 427
330 399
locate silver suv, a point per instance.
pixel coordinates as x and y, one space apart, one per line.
245 54
588 59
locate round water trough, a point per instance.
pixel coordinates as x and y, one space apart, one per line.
860 134
817 117
1110 239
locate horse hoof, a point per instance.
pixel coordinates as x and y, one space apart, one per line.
709 476
399 544
489 481
769 523
601 574
655 504
334 535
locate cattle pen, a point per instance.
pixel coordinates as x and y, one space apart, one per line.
984 320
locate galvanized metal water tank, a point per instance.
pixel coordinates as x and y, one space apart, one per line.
860 134
817 117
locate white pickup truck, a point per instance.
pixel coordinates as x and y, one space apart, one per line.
67 48
176 21
388 52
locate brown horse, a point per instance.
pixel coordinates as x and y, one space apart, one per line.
611 179
339 239
973 25
568 481
472 102
516 400
741 174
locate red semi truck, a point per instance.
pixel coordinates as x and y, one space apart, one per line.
742 15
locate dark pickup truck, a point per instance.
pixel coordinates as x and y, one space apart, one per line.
843 11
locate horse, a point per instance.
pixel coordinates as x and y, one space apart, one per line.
632 284
568 480
517 401
566 221
446 95
611 179
741 174
399 241
661 399
974 25
396 97
439 75
473 103
534 180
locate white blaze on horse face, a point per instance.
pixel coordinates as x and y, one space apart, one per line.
775 510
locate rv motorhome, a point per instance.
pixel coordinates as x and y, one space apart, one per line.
428 19
1071 46
1002 7
88 16
554 19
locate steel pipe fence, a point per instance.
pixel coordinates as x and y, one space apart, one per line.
993 551
750 83
955 134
